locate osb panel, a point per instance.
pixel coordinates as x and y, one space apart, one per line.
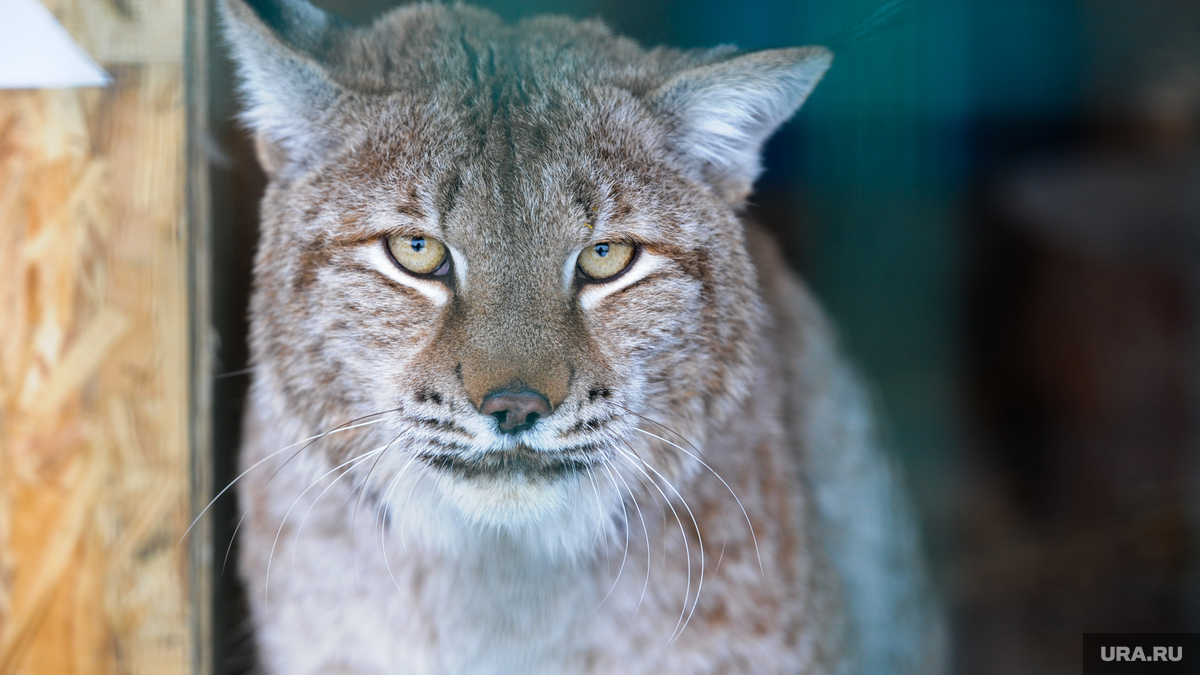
93 378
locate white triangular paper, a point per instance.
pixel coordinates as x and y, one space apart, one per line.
37 52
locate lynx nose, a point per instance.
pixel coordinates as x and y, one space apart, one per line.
515 411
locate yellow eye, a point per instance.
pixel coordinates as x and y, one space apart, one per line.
419 255
604 261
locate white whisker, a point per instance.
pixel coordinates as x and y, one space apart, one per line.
264 459
340 476
700 539
229 547
354 517
600 523
645 531
696 457
423 467
625 515
687 594
242 518
271 555
383 532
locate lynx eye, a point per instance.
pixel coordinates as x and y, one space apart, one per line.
605 260
420 255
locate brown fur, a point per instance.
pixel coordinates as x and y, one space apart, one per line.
518 146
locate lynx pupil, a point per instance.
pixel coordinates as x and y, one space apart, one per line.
602 250
418 244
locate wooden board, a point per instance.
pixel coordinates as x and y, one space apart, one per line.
96 476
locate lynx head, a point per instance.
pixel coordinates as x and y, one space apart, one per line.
517 241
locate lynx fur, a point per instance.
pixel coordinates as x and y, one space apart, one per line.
704 494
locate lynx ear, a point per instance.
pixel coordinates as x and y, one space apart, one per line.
277 46
727 110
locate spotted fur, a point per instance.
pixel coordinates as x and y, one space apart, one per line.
705 496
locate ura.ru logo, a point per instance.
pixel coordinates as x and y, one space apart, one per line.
1137 654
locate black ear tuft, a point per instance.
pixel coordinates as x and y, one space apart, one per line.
297 23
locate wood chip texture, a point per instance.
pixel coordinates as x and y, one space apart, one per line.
94 465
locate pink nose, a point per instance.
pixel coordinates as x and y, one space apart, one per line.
515 411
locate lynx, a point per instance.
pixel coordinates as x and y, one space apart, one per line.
530 395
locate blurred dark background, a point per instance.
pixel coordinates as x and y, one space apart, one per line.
999 203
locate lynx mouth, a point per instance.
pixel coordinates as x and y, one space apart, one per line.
521 461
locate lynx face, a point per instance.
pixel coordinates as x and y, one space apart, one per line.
509 246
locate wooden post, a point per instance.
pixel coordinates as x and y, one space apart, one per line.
99 404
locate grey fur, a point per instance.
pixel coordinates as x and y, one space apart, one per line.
518 146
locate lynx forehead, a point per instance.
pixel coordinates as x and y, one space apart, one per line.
504 295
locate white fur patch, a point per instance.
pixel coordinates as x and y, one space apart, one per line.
569 270
549 518
460 265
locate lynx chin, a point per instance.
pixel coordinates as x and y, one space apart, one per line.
530 395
